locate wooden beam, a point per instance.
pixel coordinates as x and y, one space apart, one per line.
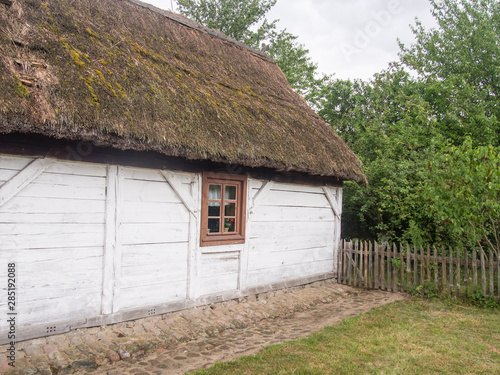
177 188
23 179
263 191
335 202
110 241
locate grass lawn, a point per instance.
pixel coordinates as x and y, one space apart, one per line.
408 337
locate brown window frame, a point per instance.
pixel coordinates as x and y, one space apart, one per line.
221 237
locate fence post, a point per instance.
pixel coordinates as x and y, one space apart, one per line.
483 273
466 272
474 271
492 276
443 257
366 264
415 265
408 268
402 273
382 267
459 267
377 269
451 271
370 265
389 269
436 267
395 268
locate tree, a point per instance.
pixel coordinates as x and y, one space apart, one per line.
462 193
459 62
234 18
237 18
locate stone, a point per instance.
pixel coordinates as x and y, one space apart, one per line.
32 350
84 364
123 353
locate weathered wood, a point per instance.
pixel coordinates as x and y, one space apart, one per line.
474 271
408 268
118 256
176 186
422 266
498 275
402 260
377 266
483 272
349 264
335 201
451 270
23 179
370 266
428 260
110 242
466 273
459 270
382 267
395 269
389 268
365 264
415 267
444 285
492 275
436 267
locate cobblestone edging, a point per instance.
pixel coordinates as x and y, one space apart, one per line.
86 349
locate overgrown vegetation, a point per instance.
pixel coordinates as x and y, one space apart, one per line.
409 337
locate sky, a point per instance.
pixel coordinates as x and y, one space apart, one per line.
349 38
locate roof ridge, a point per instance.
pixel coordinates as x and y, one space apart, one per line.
199 27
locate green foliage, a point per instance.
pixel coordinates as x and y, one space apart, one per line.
234 18
462 193
238 19
480 300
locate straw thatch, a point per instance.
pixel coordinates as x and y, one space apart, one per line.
130 76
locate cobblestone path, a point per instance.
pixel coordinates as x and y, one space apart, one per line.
179 342
234 343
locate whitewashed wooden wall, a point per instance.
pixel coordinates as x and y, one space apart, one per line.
92 240
293 232
53 229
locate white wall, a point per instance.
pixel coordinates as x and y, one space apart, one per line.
92 240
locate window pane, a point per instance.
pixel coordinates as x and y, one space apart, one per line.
213 208
230 209
213 225
229 225
231 192
214 192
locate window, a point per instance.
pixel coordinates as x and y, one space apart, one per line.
223 209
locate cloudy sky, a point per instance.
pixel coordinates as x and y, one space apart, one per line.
348 38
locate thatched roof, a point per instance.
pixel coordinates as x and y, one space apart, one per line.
127 75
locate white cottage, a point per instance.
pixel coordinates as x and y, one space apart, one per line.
149 164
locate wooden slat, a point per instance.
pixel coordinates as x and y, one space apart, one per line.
422 266
382 267
415 268
428 260
466 273
459 269
366 264
389 268
474 271
370 265
395 269
377 267
483 272
402 274
349 263
492 276
451 270
443 258
436 267
498 275
408 268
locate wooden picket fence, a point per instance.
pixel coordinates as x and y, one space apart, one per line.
408 268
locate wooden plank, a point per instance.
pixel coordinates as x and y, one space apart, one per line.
118 256
356 263
290 214
9 189
281 242
277 197
53 206
334 200
149 191
498 275
153 275
340 273
402 274
436 267
154 212
466 273
140 296
492 275
459 270
395 256
451 270
284 258
415 268
370 265
377 266
110 242
219 283
389 268
349 263
483 272
183 194
382 267
362 264
443 276
422 266
135 234
408 268
14 163
474 271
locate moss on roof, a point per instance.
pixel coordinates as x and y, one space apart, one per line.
122 75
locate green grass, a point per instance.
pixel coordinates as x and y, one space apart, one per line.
409 337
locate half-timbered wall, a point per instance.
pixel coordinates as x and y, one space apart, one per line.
96 244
